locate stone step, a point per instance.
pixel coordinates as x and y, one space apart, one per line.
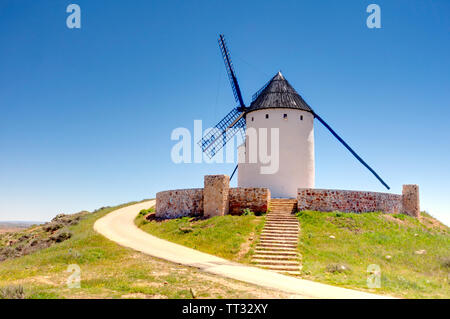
289 217
282 240
275 245
290 253
279 249
287 226
294 237
274 231
284 216
275 257
277 223
275 241
287 241
275 262
279 242
282 222
287 205
279 235
280 232
283 200
281 227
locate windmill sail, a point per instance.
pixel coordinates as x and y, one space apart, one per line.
351 150
225 130
230 70
234 121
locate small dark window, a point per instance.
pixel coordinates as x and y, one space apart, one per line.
301 117
267 116
285 116
253 118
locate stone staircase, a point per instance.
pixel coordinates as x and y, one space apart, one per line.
277 248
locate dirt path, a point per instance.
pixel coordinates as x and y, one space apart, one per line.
119 227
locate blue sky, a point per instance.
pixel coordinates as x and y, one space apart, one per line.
86 115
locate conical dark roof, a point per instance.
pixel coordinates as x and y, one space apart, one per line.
279 94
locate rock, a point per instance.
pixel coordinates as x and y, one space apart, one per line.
58 217
61 236
24 238
420 252
333 268
388 257
415 235
53 226
332 237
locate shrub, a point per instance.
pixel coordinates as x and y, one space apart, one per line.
12 292
145 212
248 212
445 262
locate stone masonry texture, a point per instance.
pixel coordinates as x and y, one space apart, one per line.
255 199
217 199
410 200
215 195
179 203
327 200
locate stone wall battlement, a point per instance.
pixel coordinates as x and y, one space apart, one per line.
327 200
218 199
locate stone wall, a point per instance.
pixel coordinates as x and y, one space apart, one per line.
255 199
410 200
215 195
190 202
327 200
179 203
217 199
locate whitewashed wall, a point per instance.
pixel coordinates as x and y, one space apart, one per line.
296 160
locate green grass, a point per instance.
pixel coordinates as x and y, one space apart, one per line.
360 240
365 239
111 271
230 237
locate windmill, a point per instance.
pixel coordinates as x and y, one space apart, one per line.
276 104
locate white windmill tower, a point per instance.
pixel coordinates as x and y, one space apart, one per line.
275 107
278 112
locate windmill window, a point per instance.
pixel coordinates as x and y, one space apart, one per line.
301 117
253 118
285 116
267 116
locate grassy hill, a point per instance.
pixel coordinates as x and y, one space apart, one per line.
111 271
413 255
230 237
337 248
